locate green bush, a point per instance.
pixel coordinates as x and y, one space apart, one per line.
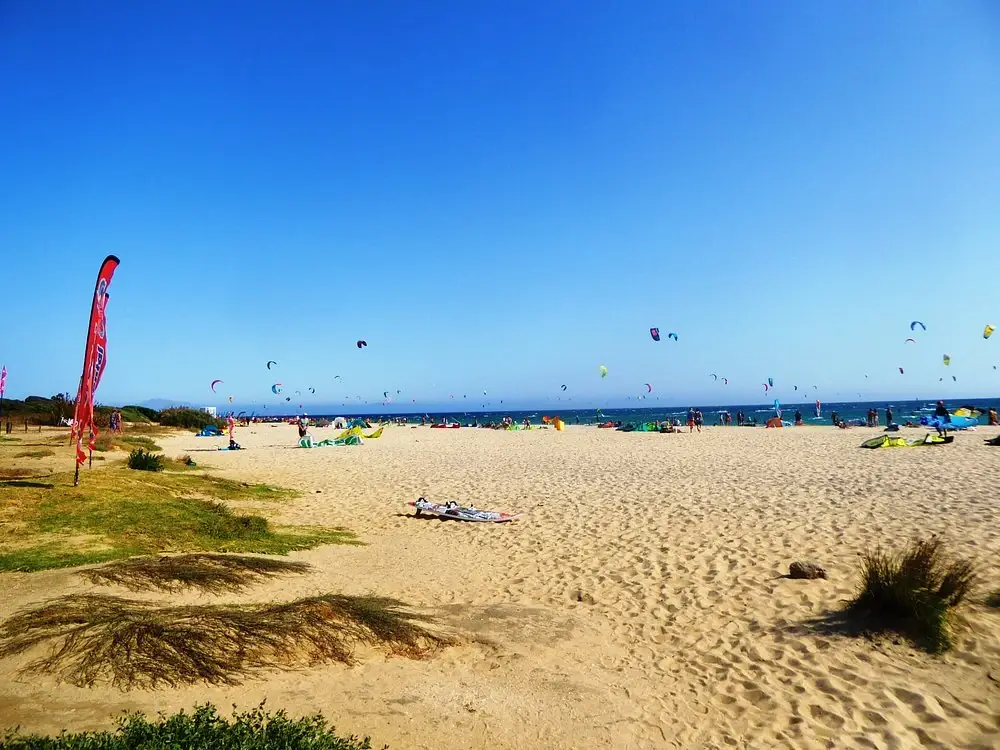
129 415
913 592
151 415
204 729
142 460
192 419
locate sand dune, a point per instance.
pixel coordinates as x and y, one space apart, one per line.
639 604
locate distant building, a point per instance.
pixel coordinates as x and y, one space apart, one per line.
209 410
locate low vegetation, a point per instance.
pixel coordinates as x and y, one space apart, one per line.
213 574
116 513
36 453
913 592
94 639
191 419
204 729
142 460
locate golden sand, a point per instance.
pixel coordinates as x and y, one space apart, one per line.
640 602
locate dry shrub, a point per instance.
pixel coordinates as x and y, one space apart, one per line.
213 574
94 638
913 592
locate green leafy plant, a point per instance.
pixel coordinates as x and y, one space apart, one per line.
142 460
204 729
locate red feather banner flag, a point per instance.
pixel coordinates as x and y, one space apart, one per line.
95 358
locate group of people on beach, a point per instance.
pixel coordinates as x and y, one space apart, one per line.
115 423
872 417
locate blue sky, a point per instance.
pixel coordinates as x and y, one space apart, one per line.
501 197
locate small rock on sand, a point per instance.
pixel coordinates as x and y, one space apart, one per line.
806 570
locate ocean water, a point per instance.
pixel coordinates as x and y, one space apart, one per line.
902 410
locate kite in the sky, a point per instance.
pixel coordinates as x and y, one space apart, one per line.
564 386
946 359
672 336
655 333
901 371
713 376
649 388
337 377
276 388
910 341
766 387
915 323
362 343
725 381
270 362
230 399
215 383
988 331
770 382
603 370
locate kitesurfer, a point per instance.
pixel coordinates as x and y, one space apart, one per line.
943 418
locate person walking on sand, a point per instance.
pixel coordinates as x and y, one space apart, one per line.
230 425
943 418
691 419
888 416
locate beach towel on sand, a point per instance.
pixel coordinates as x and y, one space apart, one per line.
458 512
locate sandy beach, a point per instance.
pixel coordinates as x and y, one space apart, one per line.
639 603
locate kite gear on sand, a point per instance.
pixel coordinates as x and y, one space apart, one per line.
885 441
457 512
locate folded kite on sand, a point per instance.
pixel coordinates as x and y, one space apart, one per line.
884 441
457 512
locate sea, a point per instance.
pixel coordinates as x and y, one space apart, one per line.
903 411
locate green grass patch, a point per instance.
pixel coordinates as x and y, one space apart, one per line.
204 729
37 453
9 439
116 513
913 592
108 442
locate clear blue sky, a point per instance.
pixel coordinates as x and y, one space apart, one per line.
501 196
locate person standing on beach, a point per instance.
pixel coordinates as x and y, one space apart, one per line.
943 418
699 419
303 425
691 419
888 416
230 425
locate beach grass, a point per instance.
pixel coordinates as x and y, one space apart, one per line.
210 573
90 638
117 513
35 453
913 592
203 729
